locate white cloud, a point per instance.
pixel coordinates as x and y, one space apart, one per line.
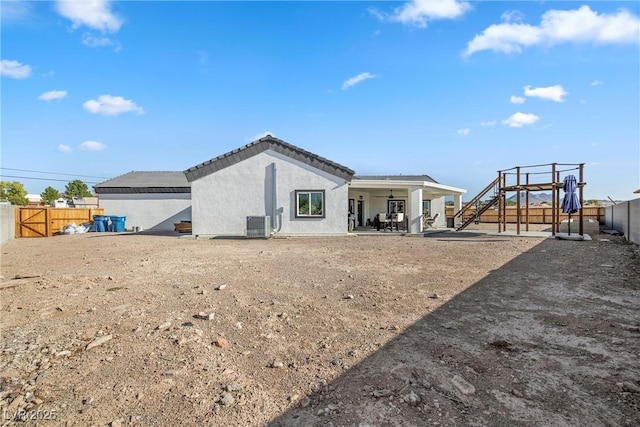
463 132
92 146
519 120
553 93
16 10
596 83
357 79
262 135
489 123
94 14
101 41
517 100
581 25
53 94
419 12
64 148
108 105
512 16
14 69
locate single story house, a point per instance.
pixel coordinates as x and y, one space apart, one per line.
149 200
271 187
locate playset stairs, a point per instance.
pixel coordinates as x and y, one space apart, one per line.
471 211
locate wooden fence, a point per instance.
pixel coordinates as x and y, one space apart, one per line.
45 221
537 215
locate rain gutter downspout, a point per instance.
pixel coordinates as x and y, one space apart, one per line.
274 199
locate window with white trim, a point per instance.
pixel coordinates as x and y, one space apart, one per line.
426 208
309 203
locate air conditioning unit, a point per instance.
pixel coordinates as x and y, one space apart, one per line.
258 227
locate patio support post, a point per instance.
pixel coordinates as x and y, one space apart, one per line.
415 210
457 206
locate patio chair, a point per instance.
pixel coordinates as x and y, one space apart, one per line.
429 221
384 222
398 219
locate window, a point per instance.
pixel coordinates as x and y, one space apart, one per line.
310 203
395 206
426 208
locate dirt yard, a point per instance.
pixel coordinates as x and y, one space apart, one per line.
452 329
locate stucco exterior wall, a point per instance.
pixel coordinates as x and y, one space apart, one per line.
150 211
625 217
437 206
222 200
7 223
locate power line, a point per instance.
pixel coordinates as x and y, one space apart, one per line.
42 179
54 173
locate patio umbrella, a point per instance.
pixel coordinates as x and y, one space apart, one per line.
570 202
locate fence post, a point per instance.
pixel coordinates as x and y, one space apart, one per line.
47 226
17 213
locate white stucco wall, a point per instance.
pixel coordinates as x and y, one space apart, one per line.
150 211
437 206
222 200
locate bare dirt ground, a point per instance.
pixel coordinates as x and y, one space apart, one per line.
452 329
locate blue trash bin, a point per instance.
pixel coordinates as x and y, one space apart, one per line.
100 223
117 223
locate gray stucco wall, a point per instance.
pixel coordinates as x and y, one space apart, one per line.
150 211
7 223
221 201
624 217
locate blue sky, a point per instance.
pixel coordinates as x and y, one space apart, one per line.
453 89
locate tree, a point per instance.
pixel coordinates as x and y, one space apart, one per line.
77 188
49 195
13 192
592 202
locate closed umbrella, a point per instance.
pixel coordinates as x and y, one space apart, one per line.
570 202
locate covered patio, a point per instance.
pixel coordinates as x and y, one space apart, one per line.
416 197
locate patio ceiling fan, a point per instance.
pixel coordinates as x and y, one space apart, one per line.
390 196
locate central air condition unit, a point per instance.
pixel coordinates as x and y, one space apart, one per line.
258 227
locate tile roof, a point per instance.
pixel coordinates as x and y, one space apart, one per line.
145 182
261 145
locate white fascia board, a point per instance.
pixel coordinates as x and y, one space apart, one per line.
387 183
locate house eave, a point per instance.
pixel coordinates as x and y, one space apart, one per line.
393 184
260 146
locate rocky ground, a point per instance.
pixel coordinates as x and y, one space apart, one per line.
453 329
